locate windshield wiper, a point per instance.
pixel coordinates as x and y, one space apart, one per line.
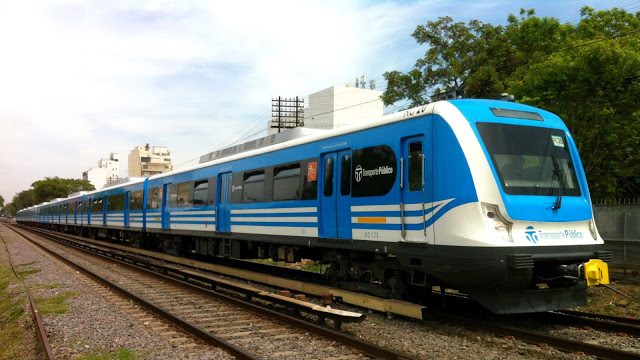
557 172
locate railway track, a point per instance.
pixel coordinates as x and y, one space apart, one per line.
272 276
244 329
538 337
597 321
617 325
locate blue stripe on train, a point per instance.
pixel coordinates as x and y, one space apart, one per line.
193 222
279 214
287 224
192 215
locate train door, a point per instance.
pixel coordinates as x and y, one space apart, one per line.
166 206
77 213
127 195
335 195
415 209
223 218
83 214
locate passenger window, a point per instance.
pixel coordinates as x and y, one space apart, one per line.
181 195
253 187
135 200
374 171
155 198
345 177
328 176
286 182
200 191
415 166
97 205
115 202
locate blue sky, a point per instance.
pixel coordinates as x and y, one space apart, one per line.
80 79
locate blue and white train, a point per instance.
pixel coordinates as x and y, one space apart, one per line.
487 197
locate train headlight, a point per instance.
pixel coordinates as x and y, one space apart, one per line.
592 229
496 221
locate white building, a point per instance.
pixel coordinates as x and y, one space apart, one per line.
149 160
339 106
106 173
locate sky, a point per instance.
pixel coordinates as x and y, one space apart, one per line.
81 79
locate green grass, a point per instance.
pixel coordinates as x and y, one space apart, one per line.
26 272
28 264
12 332
314 267
120 354
306 265
55 304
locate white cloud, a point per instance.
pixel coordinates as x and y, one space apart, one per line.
80 79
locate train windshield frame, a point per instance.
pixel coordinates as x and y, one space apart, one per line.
530 160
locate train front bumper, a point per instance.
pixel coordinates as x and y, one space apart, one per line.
545 282
522 279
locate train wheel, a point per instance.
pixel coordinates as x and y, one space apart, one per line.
332 272
398 285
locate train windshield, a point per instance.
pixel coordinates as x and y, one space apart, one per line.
530 160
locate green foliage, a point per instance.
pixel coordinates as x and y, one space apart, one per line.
12 331
474 60
594 86
120 354
56 304
28 271
51 188
20 200
46 190
1 201
587 73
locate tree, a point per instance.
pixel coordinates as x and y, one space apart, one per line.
51 188
446 65
587 73
594 86
21 200
46 190
10 209
473 60
1 202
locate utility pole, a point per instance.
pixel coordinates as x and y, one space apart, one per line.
287 113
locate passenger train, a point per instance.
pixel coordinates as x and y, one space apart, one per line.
484 196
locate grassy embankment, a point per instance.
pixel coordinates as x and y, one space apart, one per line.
12 319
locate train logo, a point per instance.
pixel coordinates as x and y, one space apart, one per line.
531 235
358 173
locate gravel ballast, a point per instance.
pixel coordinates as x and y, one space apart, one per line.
97 321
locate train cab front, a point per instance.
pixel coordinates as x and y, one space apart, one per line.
547 248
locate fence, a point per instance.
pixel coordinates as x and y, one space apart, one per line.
618 223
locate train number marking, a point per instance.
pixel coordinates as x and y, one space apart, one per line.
372 235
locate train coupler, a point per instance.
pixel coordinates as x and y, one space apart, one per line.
596 272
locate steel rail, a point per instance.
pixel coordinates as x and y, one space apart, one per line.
189 327
602 322
618 319
351 341
535 337
41 333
